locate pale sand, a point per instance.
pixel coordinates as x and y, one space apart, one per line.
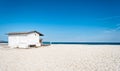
61 58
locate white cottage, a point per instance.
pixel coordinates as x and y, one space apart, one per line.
24 39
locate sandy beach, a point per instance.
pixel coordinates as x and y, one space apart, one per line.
61 58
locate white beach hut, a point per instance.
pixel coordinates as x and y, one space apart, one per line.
24 39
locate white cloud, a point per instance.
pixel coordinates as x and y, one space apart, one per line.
117 28
111 34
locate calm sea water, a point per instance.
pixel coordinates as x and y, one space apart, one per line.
87 43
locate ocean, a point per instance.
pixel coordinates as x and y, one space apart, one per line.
85 43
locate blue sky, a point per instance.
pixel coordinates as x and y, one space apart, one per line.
62 20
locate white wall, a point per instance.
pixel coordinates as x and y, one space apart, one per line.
33 38
22 41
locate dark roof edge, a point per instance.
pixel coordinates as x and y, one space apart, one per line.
36 32
16 33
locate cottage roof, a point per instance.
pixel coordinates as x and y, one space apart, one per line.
19 33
